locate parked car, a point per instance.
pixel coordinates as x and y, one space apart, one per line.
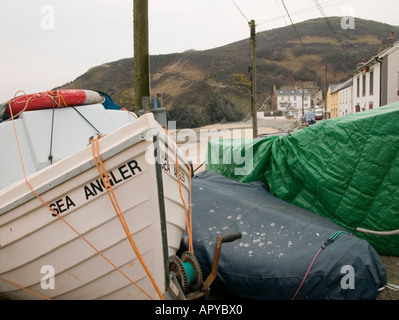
318 113
309 118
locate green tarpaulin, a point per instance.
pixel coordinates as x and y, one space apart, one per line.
345 169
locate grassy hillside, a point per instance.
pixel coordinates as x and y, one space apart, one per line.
202 87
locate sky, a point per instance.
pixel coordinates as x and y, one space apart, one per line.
47 43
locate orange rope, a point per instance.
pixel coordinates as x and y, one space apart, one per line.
10 102
20 287
131 113
62 219
112 197
30 291
189 222
57 94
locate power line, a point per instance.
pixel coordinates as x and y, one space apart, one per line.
275 1
293 25
238 8
325 17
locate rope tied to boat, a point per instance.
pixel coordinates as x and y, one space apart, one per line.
189 220
55 214
111 194
106 182
11 101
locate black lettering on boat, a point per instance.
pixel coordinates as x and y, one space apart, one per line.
122 173
116 181
61 205
165 163
97 186
89 191
181 173
133 165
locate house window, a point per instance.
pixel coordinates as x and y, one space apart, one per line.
371 83
358 87
364 85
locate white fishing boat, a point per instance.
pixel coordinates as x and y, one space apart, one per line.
91 205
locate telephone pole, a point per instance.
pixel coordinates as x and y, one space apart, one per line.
325 88
253 80
141 53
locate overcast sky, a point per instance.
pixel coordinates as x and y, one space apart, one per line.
46 43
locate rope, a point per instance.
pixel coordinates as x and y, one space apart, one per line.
84 118
11 101
378 233
131 113
30 291
112 197
50 157
111 194
61 218
59 95
189 221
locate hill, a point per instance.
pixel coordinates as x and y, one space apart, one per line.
203 87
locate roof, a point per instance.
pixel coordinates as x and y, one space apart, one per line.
381 55
292 92
389 50
342 85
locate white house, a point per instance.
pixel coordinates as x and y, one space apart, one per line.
366 85
376 82
291 101
345 98
390 74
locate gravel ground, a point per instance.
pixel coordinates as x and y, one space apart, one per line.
392 269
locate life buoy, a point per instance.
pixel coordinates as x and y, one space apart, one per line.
49 99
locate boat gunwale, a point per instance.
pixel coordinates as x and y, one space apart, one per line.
88 164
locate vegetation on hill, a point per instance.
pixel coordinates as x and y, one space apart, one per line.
203 87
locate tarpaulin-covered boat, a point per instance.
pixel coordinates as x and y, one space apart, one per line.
93 200
345 169
285 252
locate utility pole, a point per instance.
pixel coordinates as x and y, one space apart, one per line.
325 89
141 54
303 121
253 80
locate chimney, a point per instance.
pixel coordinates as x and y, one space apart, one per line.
361 63
386 43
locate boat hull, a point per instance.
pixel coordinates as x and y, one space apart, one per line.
56 253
